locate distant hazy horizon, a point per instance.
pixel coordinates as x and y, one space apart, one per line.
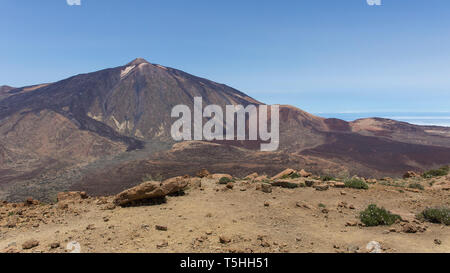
418 118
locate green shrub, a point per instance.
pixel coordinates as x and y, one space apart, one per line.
436 215
225 180
375 216
293 175
322 205
327 178
435 173
416 186
356 184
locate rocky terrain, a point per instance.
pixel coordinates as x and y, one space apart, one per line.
103 132
293 211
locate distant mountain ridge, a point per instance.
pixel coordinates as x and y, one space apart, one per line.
74 133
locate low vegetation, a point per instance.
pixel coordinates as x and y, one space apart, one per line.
225 180
327 178
436 215
375 216
436 173
416 186
293 175
356 183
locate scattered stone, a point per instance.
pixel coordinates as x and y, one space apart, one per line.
371 181
310 183
54 245
110 206
30 244
321 187
224 239
304 173
265 187
351 224
251 176
409 228
161 228
410 174
71 196
218 176
230 185
373 247
288 183
90 227
302 204
30 201
283 174
62 206
203 173
266 204
162 244
12 222
437 241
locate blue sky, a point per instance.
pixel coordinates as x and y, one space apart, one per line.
319 55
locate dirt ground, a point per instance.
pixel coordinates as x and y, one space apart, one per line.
213 218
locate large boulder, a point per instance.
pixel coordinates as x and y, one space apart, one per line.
283 174
288 183
175 184
147 190
151 190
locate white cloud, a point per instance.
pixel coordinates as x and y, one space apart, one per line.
74 2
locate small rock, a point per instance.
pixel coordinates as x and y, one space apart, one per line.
90 227
409 228
162 244
302 204
30 244
322 187
266 204
230 185
267 188
203 173
224 239
54 245
161 228
373 247
437 241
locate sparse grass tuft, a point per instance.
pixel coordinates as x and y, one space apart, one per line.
435 173
375 216
293 175
416 186
436 215
327 178
225 180
356 184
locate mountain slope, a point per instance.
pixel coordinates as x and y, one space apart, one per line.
76 132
